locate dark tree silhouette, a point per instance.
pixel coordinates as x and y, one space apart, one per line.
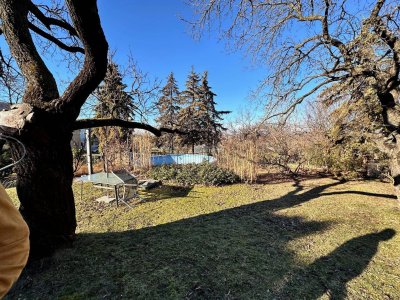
45 120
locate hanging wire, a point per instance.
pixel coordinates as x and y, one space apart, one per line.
6 137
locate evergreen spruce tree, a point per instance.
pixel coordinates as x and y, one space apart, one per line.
209 118
113 102
168 107
189 119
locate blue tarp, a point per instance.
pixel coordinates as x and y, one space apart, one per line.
180 159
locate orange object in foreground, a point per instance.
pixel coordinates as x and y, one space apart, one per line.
14 243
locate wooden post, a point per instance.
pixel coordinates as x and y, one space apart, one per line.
89 151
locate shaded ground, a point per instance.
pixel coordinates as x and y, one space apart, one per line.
302 240
270 177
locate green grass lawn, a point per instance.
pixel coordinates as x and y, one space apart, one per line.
309 240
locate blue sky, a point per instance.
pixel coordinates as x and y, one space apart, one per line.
160 42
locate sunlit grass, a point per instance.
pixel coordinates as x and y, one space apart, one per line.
317 238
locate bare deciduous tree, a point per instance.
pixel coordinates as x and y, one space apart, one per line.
284 146
346 51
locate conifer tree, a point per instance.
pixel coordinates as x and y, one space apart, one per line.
168 107
189 119
210 118
113 102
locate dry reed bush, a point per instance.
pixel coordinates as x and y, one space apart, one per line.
252 152
142 145
134 155
240 154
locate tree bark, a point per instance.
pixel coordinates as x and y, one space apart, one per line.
389 138
395 173
44 187
44 122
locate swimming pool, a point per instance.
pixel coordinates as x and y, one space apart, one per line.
180 159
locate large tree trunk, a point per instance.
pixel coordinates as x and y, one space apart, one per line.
389 137
44 121
395 173
44 187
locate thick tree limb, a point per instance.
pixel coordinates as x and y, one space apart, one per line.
48 21
41 85
91 123
377 8
327 37
56 41
86 20
394 44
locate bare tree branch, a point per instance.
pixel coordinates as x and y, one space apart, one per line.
40 85
48 21
91 123
300 100
87 22
354 47
56 41
11 79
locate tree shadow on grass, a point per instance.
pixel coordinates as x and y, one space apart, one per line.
165 192
296 198
387 196
236 253
329 274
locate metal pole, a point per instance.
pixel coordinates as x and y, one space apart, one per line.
89 151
